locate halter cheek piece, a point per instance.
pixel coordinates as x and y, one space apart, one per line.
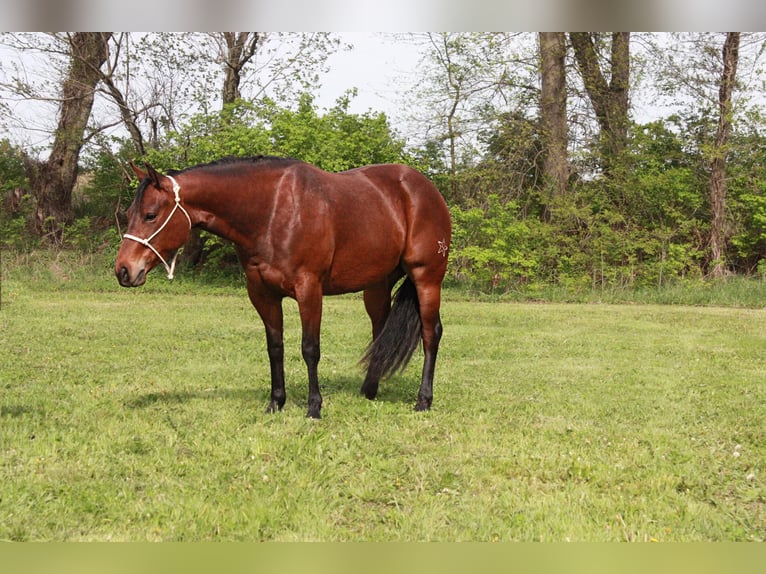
146 242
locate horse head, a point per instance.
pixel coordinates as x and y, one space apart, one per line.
158 225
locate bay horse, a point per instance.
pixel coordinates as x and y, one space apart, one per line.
302 232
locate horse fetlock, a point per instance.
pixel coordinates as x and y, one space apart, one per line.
423 404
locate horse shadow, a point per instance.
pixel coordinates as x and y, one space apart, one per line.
393 390
147 400
396 389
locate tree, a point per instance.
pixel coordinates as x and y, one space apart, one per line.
447 49
713 78
718 184
117 51
553 111
609 98
468 81
236 49
53 180
240 49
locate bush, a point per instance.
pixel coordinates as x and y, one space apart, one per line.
490 246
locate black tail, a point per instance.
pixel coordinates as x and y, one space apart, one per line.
392 350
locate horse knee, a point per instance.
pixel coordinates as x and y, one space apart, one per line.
310 351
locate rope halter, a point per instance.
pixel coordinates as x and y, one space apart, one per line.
147 242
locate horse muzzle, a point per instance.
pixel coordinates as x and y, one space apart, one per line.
126 279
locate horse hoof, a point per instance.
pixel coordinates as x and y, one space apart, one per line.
312 414
369 390
273 407
422 405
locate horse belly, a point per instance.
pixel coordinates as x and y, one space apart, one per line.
363 260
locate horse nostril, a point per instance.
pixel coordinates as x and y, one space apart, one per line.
124 276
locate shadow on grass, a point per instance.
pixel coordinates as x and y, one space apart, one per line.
397 389
175 397
16 411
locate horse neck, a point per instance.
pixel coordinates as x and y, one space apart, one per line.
223 204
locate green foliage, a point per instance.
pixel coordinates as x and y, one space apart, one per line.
337 140
15 232
750 242
12 174
490 246
16 204
646 225
238 130
747 194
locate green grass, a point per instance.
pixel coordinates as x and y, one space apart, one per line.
139 415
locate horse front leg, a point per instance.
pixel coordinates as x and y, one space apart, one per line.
309 297
270 310
276 351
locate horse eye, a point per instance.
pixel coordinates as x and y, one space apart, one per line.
150 217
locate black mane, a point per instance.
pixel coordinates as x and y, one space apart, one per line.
230 161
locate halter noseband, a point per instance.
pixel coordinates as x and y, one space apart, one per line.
146 242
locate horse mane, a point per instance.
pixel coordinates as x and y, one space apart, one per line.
234 161
228 161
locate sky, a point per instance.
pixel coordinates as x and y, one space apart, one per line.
381 66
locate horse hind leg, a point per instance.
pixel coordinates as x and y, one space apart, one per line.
393 346
377 303
429 300
431 347
414 317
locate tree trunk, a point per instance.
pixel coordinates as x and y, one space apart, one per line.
609 99
553 111
240 48
456 96
718 187
53 180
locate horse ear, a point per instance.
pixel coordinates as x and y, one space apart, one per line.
137 170
154 176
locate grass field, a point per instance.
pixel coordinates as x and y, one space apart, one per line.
139 415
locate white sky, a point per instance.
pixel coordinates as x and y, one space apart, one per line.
383 67
380 66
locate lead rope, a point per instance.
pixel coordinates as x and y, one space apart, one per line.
146 242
